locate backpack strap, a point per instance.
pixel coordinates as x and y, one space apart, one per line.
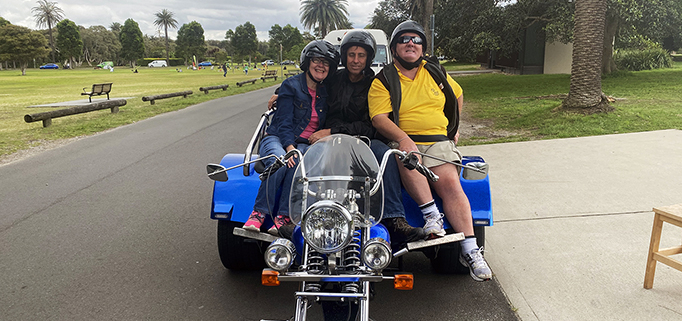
391 80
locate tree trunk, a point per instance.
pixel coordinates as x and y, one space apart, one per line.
49 30
23 66
585 93
426 23
612 24
167 47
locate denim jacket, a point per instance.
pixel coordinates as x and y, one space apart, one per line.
294 110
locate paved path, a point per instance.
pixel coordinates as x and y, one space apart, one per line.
573 221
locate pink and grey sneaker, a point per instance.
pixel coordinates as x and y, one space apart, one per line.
254 222
282 224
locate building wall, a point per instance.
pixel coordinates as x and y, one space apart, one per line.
558 57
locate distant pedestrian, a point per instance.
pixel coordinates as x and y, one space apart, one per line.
224 70
246 69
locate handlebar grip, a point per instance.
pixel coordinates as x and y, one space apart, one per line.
427 172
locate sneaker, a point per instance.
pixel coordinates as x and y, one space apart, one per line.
254 222
478 267
282 225
401 232
434 224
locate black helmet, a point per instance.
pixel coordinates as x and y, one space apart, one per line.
360 38
408 26
321 49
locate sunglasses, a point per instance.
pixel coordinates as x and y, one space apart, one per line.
415 39
320 61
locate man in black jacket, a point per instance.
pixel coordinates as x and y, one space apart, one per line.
348 113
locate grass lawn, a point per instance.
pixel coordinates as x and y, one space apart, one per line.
526 105
51 86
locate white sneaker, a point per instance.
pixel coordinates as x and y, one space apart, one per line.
434 224
478 267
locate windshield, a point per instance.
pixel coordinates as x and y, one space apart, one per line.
340 168
380 56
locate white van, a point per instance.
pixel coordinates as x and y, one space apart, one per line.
381 57
157 63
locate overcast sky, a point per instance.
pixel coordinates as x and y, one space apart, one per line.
216 17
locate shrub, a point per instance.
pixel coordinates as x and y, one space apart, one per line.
635 60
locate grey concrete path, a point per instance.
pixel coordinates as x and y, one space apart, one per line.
573 222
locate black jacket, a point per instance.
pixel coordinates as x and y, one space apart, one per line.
348 111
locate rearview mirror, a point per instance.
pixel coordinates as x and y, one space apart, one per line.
217 172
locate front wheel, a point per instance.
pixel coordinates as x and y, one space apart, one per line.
447 259
236 252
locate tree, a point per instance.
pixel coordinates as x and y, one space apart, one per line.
388 14
585 93
22 45
115 27
325 15
69 41
190 41
3 22
132 43
287 37
99 44
165 19
245 41
47 14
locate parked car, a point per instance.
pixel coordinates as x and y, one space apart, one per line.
267 62
288 62
157 63
205 64
49 66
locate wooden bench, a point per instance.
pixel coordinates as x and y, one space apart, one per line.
97 89
252 81
669 214
292 73
46 117
206 89
269 74
152 98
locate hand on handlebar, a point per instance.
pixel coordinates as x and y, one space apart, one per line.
272 102
411 161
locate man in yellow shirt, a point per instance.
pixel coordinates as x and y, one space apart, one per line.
409 108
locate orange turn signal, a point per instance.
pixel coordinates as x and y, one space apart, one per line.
403 281
269 278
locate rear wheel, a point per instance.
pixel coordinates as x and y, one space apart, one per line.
447 258
236 252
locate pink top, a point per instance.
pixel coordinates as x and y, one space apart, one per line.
314 120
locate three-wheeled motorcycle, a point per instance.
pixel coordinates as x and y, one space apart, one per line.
339 247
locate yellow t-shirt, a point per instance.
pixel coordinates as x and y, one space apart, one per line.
421 104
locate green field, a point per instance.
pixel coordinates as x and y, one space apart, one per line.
523 107
51 86
526 106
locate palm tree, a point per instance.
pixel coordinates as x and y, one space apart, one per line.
585 93
326 15
47 14
165 19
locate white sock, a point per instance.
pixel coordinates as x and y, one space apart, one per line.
468 244
429 208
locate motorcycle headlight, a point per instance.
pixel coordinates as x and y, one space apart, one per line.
376 254
327 226
280 254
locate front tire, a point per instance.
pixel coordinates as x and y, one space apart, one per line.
236 252
447 258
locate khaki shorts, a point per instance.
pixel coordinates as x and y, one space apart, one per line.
444 149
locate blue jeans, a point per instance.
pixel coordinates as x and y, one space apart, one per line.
281 179
393 202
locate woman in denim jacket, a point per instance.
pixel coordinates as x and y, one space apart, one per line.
293 122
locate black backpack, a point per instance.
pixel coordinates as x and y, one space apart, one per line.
391 80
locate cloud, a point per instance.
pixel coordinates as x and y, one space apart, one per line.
216 17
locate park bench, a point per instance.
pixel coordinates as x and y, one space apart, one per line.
269 74
292 73
97 89
252 81
152 98
47 116
206 89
